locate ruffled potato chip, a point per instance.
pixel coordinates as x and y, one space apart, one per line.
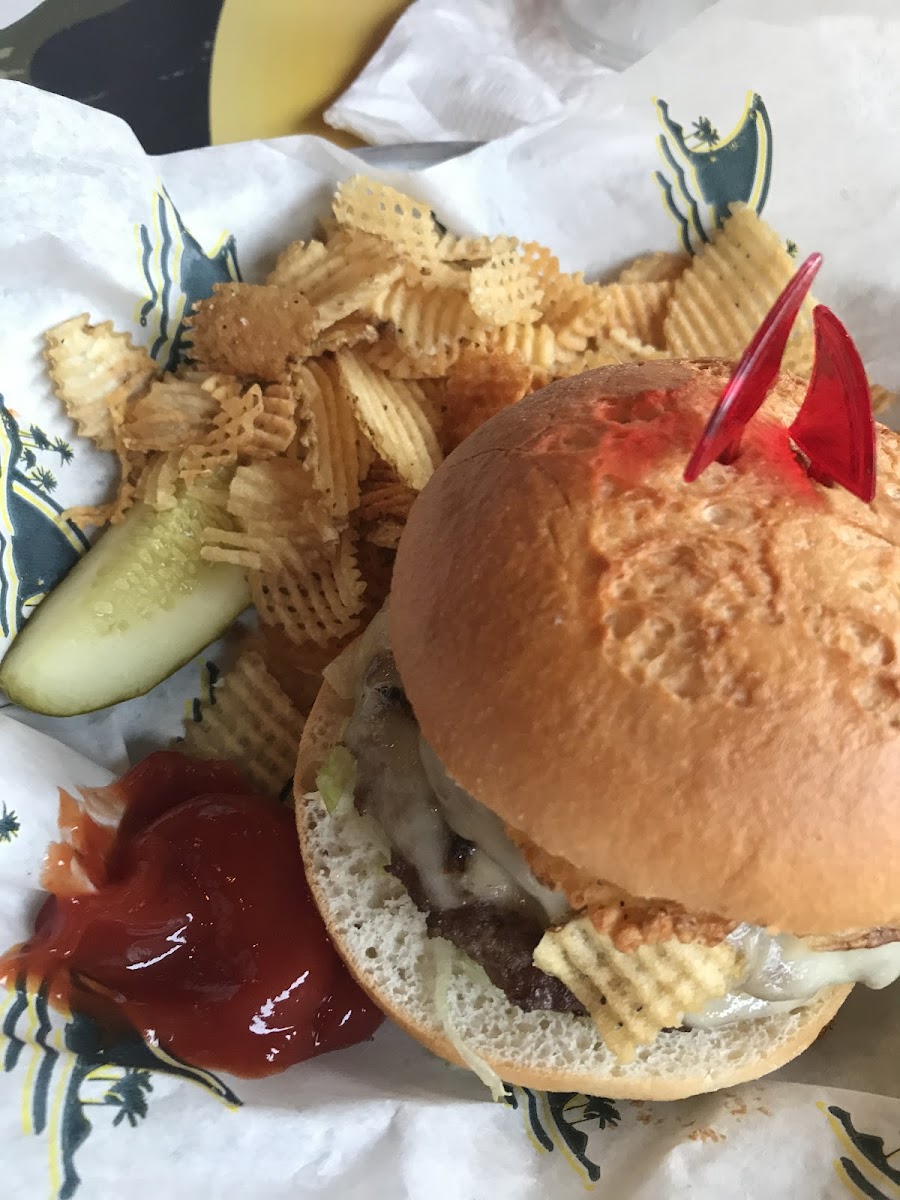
535 345
330 436
378 209
401 363
637 309
314 596
173 413
454 276
574 310
97 373
632 996
348 331
158 483
425 321
296 263
473 250
274 424
481 384
393 415
385 498
265 748
355 268
279 498
720 301
112 512
661 266
504 290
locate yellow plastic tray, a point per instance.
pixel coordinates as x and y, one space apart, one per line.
277 64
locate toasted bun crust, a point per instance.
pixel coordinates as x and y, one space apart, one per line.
688 690
382 937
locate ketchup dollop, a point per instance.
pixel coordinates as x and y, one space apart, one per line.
200 933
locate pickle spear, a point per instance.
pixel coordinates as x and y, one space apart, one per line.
140 604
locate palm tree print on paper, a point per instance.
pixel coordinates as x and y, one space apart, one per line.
563 1121
704 173
704 132
38 546
9 824
75 1074
129 1094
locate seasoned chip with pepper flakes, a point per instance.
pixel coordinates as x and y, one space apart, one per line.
719 302
264 747
632 997
251 330
392 413
330 434
97 373
355 268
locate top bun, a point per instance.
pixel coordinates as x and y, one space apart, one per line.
686 690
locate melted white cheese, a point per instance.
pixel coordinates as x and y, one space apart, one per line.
781 973
478 824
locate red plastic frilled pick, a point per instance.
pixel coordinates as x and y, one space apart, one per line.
753 376
834 428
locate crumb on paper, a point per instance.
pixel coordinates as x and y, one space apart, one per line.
707 1135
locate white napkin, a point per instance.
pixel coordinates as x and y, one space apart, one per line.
466 70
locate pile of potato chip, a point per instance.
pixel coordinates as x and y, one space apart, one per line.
320 401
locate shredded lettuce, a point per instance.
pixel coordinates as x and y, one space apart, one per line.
336 781
445 957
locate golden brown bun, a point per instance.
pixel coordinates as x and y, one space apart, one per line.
688 690
382 937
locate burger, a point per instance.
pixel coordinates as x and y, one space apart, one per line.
606 799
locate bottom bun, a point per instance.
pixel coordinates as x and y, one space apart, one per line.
382 937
